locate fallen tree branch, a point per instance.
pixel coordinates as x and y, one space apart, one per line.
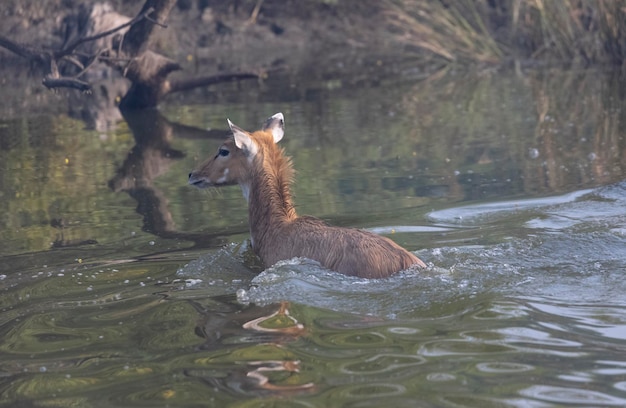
24 50
147 70
50 59
66 82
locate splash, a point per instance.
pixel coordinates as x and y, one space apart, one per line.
566 247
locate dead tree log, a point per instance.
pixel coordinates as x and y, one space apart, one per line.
127 49
148 71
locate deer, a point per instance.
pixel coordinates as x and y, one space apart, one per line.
260 167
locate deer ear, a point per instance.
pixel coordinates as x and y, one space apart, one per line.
243 140
276 125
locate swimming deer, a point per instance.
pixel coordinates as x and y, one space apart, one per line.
260 167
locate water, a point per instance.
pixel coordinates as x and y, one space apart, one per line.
122 286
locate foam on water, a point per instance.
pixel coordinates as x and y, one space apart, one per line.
478 213
571 248
217 273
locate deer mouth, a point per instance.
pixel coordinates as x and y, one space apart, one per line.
199 182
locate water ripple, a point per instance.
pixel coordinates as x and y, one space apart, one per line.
382 363
503 367
572 396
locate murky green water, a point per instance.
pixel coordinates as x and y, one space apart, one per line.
122 286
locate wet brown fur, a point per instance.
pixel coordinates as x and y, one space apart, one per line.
278 233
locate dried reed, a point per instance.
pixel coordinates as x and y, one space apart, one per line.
490 31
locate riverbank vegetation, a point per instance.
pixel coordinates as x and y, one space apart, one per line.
495 31
464 31
355 40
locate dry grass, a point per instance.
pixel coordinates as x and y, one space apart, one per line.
584 31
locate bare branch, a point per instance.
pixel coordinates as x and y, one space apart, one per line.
22 50
66 82
147 70
71 46
153 21
93 59
138 37
73 60
109 59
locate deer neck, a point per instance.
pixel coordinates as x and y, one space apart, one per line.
268 193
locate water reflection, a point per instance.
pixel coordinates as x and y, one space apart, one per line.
271 327
538 133
522 304
151 157
421 144
572 396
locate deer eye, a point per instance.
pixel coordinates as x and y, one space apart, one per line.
223 152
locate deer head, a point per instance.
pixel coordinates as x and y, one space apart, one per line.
235 158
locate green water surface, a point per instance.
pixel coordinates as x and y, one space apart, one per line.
122 286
